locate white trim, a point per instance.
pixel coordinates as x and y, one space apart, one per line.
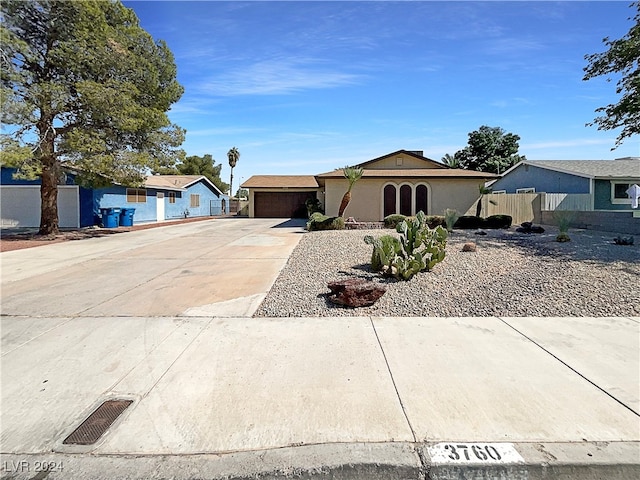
526 190
619 201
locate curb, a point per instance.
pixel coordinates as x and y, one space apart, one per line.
341 461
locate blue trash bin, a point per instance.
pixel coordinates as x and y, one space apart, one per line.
126 217
110 217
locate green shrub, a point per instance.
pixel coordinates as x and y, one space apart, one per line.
313 206
498 221
434 221
419 248
318 221
392 221
450 218
469 222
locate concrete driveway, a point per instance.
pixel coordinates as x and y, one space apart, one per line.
222 267
161 318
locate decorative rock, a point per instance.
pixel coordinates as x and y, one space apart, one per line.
469 247
355 292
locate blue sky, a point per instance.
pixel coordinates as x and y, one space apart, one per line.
305 87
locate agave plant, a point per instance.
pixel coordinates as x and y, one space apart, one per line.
352 174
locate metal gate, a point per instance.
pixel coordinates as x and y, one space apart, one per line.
218 207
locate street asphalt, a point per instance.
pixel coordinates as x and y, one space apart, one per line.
163 318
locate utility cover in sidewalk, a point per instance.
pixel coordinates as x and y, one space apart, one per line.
97 423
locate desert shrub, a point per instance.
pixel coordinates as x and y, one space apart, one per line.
498 221
318 221
469 222
418 248
450 218
620 240
392 221
434 221
313 205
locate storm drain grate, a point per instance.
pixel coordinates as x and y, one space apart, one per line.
97 423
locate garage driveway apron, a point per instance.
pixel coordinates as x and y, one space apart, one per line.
222 267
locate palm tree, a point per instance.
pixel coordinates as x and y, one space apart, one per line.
352 174
234 156
451 161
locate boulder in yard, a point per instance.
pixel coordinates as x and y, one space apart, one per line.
355 292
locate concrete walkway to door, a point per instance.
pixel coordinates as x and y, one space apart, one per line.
222 268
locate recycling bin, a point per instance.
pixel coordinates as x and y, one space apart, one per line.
110 217
126 217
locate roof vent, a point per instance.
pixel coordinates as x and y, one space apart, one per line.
628 158
417 152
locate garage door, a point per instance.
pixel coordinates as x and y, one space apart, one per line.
21 206
281 204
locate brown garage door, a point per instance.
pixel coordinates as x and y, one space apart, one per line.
281 204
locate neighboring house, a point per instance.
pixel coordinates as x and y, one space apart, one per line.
603 183
400 182
163 197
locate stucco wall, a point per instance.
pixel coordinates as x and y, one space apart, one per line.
367 198
406 162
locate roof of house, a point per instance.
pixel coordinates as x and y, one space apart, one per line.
628 167
281 181
414 173
177 182
412 153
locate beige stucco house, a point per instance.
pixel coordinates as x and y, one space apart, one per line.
400 182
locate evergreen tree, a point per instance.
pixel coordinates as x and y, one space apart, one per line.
83 84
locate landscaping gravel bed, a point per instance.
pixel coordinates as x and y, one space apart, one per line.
510 274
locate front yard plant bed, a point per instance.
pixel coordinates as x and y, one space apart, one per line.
509 274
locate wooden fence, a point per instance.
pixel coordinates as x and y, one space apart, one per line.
540 208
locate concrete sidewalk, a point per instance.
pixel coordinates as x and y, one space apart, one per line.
217 395
243 396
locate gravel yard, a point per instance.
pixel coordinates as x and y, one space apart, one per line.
510 274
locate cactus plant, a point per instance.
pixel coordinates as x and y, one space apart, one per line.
418 248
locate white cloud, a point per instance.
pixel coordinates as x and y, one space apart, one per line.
277 76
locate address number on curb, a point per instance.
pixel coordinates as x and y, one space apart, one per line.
474 453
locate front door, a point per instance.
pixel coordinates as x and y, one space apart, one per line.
159 207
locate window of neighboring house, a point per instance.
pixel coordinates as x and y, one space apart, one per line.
526 190
172 197
499 191
195 201
619 192
136 195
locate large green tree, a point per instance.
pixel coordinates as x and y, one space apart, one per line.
490 149
204 165
621 59
84 86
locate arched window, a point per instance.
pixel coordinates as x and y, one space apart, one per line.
421 198
389 200
406 192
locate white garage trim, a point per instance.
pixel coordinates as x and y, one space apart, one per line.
20 206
